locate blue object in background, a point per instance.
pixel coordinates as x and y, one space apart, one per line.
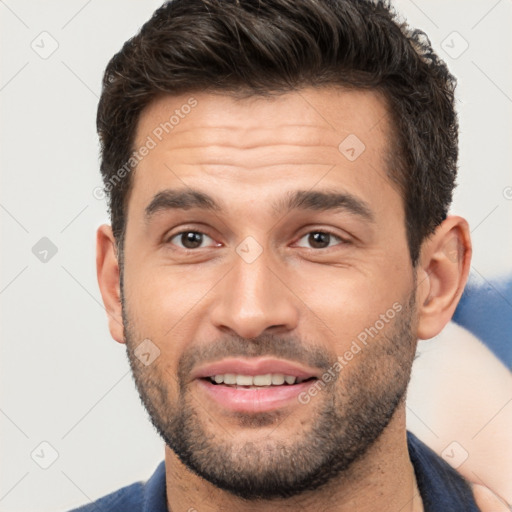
485 310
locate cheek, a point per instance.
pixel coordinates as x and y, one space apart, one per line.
348 301
163 303
162 294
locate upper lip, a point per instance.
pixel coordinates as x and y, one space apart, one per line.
259 366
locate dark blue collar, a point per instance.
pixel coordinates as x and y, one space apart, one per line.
442 489
155 495
440 486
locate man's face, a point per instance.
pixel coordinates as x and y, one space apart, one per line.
265 286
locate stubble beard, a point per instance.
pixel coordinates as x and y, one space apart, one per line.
344 419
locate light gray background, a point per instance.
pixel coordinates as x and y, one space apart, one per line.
64 381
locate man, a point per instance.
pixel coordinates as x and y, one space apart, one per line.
279 175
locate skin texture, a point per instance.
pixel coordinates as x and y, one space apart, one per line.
247 154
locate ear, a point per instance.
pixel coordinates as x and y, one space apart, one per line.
107 270
442 273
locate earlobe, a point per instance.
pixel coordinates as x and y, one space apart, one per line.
442 274
107 270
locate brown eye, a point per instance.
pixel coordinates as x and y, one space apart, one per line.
189 239
320 239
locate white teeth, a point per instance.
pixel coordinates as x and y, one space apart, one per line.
262 380
229 378
244 380
277 379
269 379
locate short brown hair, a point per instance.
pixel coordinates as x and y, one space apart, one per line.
274 46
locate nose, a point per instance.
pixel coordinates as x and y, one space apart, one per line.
254 298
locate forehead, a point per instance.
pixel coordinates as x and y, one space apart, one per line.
260 144
325 112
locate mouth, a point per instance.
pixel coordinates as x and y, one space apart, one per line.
253 386
256 381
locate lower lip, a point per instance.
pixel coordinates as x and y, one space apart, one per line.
253 399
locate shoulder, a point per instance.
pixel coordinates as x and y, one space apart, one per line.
137 497
440 486
126 499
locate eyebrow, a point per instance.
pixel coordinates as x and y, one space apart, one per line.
318 200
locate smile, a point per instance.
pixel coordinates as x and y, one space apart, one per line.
256 381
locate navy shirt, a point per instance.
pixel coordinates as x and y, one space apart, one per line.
442 489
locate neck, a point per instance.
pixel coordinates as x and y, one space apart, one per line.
383 479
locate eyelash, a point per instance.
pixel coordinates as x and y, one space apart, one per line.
342 241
